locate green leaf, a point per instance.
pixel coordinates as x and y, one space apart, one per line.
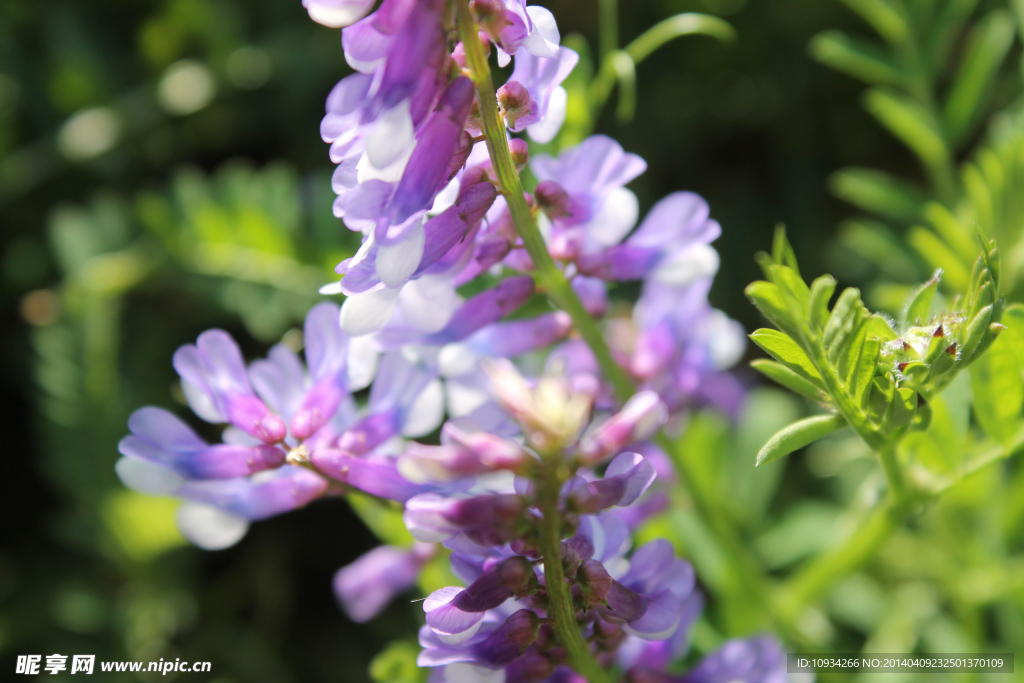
397 664
847 316
920 303
939 256
901 410
384 520
962 239
910 122
882 16
997 385
847 359
878 244
821 293
771 301
788 378
856 58
879 398
790 282
782 250
877 331
782 348
878 192
987 46
798 435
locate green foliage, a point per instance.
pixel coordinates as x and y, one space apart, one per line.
856 364
397 664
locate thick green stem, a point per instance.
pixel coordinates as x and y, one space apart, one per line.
547 274
559 596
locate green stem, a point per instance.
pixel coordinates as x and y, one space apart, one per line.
649 41
559 597
609 27
546 272
894 475
811 582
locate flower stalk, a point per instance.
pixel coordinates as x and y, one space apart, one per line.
549 278
558 590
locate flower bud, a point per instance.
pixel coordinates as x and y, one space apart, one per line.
642 415
459 53
513 577
490 14
520 152
594 580
462 152
622 605
552 199
492 452
514 102
510 639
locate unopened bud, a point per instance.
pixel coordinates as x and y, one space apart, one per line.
552 199
492 452
622 605
594 580
462 152
514 102
641 416
513 577
520 152
509 640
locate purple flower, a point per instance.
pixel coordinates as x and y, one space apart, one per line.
642 415
218 390
599 211
161 438
753 660
663 582
366 586
544 109
625 479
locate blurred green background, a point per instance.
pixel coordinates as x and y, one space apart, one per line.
161 172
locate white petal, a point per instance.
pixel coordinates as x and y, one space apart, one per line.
464 399
201 404
503 58
464 672
391 137
683 267
427 411
427 302
458 639
543 41
547 128
208 527
397 262
456 359
727 340
362 362
368 312
338 17
147 477
616 218
332 288
446 197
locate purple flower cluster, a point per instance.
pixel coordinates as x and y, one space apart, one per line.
402 131
634 609
293 432
529 473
